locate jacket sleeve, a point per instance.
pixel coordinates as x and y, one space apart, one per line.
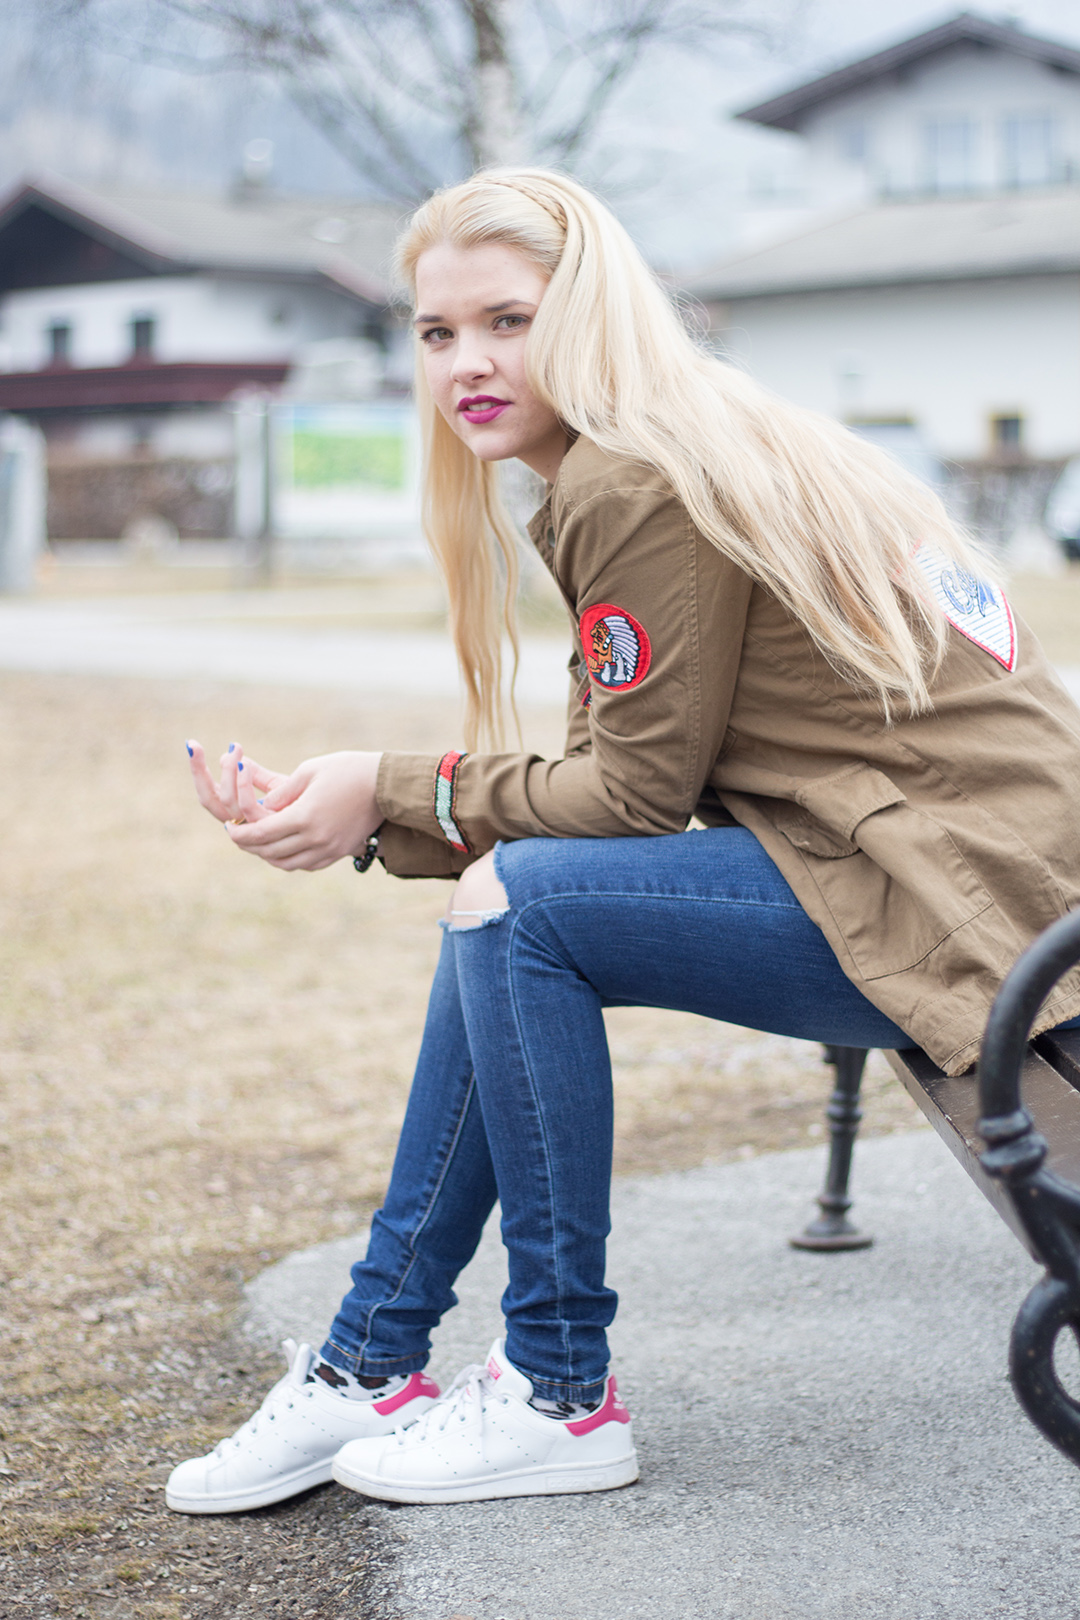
673 613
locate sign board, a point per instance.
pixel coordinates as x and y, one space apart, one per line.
346 472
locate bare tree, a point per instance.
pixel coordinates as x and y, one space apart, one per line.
414 92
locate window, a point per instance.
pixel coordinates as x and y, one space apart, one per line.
949 145
854 143
1006 435
1027 149
59 334
142 337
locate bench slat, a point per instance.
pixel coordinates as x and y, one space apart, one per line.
951 1104
1062 1049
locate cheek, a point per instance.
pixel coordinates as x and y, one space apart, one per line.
540 420
512 365
437 372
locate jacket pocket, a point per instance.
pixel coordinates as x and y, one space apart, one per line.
827 810
892 877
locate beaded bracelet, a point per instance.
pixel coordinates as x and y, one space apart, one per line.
371 849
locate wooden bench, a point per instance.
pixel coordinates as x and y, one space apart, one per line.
1014 1125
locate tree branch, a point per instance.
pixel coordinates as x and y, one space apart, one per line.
405 89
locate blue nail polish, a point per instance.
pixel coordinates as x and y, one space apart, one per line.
240 766
190 751
260 801
231 747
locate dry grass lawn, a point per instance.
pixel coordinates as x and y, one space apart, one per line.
203 1064
1051 605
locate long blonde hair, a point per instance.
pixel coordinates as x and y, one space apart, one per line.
823 519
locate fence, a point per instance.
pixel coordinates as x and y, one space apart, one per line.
22 502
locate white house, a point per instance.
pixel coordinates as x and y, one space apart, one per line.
937 294
129 320
971 105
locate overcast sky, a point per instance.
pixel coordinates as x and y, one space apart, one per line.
675 166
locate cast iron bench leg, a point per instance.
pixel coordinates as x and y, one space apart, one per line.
832 1229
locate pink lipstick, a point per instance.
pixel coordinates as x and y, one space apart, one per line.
482 407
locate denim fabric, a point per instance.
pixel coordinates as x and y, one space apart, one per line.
512 1092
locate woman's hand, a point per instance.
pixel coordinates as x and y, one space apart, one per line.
324 811
222 798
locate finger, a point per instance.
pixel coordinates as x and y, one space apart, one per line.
281 835
205 786
287 789
292 846
305 858
263 779
230 761
248 805
306 862
283 839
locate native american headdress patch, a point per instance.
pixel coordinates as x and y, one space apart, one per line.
617 649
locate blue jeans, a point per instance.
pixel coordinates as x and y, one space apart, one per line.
512 1093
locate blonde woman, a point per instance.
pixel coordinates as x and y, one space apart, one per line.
776 631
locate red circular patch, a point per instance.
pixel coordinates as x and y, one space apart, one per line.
617 650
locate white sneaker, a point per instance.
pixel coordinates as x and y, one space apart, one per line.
289 1444
483 1439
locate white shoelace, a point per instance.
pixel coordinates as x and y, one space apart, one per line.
463 1402
283 1394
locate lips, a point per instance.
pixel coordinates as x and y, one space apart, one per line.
482 407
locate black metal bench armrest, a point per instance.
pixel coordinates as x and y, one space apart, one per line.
951 1104
1026 1108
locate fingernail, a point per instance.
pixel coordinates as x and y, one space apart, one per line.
260 801
240 766
231 747
190 750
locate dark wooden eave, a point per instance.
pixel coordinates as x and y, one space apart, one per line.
137 385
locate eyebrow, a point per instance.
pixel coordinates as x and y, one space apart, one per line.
489 309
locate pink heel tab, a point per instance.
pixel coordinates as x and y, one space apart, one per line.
612 1411
419 1384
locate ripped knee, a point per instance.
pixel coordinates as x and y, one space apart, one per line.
478 897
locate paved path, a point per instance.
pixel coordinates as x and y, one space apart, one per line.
191 636
821 1437
217 635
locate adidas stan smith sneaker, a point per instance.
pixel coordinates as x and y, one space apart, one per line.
289 1444
482 1439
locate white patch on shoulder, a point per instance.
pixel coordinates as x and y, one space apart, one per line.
975 607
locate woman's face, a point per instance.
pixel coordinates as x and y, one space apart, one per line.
474 310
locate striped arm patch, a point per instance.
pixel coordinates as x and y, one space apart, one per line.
443 801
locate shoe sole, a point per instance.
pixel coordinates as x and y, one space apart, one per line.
570 1479
261 1496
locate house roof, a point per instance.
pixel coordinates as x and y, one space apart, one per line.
332 239
940 239
787 111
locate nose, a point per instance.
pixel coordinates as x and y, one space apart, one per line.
471 362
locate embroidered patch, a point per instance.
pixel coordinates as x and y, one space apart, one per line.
975 607
443 802
617 650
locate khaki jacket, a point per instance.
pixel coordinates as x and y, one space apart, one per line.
930 852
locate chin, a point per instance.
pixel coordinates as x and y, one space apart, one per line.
493 449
